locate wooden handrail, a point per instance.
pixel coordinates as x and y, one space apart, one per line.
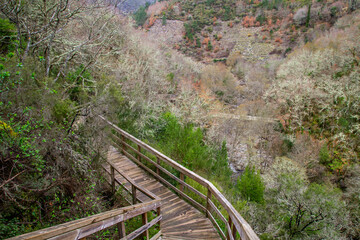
84 227
236 222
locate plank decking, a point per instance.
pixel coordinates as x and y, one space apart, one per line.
180 219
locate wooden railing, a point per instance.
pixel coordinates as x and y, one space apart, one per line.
86 226
235 225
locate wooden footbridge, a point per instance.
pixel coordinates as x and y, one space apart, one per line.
156 187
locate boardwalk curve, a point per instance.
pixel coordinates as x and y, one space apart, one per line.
180 219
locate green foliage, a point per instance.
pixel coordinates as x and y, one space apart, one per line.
45 160
81 84
324 156
209 46
198 187
164 20
7 35
313 210
228 13
251 186
191 29
62 110
184 143
261 19
140 16
198 43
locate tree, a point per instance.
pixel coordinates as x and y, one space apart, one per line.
309 210
251 186
164 20
140 16
41 26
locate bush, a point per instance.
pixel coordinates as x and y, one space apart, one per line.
251 186
7 35
140 16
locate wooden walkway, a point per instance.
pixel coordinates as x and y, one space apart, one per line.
180 219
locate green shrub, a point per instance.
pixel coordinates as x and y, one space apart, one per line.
164 20
324 156
209 46
140 16
251 186
7 35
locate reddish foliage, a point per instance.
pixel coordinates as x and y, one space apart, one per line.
264 37
230 24
176 46
257 24
278 22
219 36
248 21
205 41
269 22
216 49
278 40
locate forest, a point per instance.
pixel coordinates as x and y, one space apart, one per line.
260 97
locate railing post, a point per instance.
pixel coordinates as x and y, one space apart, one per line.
157 169
182 179
133 191
121 230
233 229
123 144
208 198
227 230
159 213
144 221
112 179
138 155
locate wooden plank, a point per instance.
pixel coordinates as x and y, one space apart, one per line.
146 192
159 167
86 226
166 183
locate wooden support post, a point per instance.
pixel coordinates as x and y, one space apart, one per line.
157 169
145 221
133 190
121 230
208 198
181 185
112 179
159 213
123 144
138 155
227 231
233 229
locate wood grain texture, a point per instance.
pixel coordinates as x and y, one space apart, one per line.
180 220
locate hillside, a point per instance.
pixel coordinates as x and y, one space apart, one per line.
259 97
